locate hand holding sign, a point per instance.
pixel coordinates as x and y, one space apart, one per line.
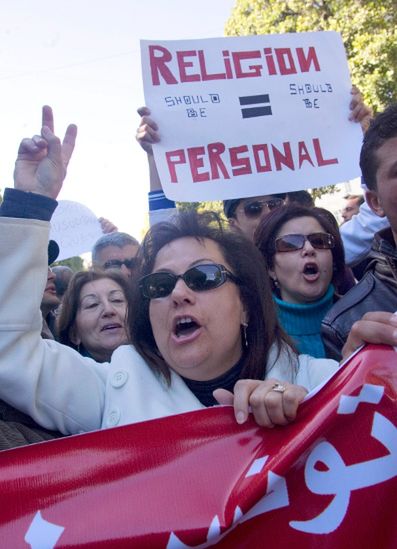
147 132
248 116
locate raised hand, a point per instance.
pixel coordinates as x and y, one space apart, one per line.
360 112
42 161
147 132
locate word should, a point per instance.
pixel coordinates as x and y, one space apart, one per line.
191 99
302 89
216 161
192 64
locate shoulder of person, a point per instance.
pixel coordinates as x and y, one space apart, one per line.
351 299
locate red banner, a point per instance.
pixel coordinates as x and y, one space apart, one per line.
199 479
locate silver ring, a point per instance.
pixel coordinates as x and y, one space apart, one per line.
278 388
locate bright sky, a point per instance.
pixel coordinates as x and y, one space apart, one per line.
82 57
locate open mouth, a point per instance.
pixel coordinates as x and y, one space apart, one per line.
310 269
110 327
185 326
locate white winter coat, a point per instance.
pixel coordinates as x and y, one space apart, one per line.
61 389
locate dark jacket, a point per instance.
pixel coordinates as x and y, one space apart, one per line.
376 291
18 429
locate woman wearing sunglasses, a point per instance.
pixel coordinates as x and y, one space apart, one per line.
204 328
305 260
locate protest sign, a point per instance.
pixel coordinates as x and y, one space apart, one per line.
198 479
75 228
248 116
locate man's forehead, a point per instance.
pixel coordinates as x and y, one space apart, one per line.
114 252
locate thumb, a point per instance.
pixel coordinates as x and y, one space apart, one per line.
224 397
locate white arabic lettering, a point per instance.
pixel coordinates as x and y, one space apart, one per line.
341 479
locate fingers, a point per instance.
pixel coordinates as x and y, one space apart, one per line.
143 111
375 327
33 146
268 406
147 132
54 152
224 397
107 226
68 143
360 112
48 117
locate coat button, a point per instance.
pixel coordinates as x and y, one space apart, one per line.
113 417
119 378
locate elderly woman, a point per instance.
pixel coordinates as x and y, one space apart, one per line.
203 310
305 260
93 313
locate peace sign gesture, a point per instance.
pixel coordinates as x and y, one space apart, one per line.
42 161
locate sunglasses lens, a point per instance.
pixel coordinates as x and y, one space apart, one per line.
290 243
130 263
198 279
158 285
275 203
113 264
204 277
253 209
321 241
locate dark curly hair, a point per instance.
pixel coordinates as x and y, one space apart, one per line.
246 263
382 128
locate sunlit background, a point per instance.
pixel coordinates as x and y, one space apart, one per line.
82 57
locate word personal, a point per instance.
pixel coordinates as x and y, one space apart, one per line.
191 65
216 161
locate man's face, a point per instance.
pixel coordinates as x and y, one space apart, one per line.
383 201
50 299
250 211
351 208
113 257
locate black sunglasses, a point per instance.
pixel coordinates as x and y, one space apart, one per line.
199 278
118 263
254 209
293 242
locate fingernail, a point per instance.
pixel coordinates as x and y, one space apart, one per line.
240 417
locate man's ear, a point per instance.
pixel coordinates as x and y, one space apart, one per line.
74 338
233 222
374 203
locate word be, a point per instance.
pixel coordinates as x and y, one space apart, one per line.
311 104
216 161
192 64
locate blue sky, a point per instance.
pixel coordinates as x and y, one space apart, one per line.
82 57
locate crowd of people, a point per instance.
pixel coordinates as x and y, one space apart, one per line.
253 309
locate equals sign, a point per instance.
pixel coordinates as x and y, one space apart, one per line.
259 110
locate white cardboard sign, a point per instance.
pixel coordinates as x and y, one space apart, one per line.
248 116
75 228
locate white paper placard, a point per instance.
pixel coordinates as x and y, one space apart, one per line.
75 228
248 116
